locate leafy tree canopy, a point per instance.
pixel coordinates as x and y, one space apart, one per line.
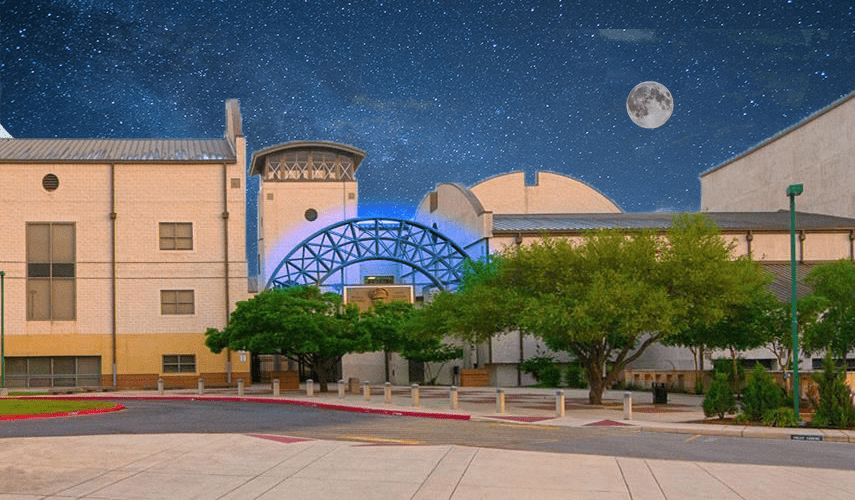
604 299
833 287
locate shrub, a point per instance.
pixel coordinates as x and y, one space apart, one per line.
760 394
699 384
574 377
544 370
725 365
719 399
833 402
780 417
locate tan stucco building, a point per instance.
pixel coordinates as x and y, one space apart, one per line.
818 152
118 255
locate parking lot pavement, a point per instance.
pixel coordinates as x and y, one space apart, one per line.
682 414
237 466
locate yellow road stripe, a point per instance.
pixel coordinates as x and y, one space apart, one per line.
371 439
689 440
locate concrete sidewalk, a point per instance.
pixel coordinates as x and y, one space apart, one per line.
683 414
236 466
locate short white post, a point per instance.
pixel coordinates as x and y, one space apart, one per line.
310 387
160 386
366 391
200 389
627 405
414 394
341 389
276 387
454 401
387 393
240 387
500 400
559 403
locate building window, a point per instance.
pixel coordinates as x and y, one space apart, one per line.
179 363
176 236
378 280
176 302
51 286
50 182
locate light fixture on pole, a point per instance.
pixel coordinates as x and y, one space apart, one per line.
793 191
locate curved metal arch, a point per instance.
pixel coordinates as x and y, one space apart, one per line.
362 239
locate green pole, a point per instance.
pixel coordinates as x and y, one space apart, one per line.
793 191
2 330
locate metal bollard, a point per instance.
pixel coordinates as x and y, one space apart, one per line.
341 389
500 401
240 387
454 401
160 386
559 403
627 405
414 394
276 387
387 393
310 387
366 391
200 389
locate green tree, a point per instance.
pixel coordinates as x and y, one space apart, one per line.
833 286
604 299
301 323
719 399
780 341
386 325
761 394
723 303
833 403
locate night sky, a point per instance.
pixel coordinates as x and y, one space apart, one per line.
441 91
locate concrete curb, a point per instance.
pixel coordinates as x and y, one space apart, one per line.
94 411
298 402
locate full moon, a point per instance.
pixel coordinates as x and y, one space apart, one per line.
649 105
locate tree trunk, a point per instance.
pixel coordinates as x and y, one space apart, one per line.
595 378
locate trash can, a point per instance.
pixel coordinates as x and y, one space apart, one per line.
660 393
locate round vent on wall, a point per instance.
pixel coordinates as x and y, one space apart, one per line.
50 182
311 214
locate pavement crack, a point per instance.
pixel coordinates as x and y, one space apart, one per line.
457 484
699 466
653 475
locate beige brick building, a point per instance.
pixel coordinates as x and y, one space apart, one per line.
118 255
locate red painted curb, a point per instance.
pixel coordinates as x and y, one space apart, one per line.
93 411
326 406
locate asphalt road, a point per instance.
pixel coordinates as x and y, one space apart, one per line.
187 416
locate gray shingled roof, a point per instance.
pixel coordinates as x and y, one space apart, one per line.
744 221
116 150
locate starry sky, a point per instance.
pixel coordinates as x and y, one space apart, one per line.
435 91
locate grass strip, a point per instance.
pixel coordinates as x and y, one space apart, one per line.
41 406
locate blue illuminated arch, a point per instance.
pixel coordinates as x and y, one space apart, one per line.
427 251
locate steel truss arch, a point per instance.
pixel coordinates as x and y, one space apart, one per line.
352 241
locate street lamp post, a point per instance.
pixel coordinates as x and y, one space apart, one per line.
793 191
